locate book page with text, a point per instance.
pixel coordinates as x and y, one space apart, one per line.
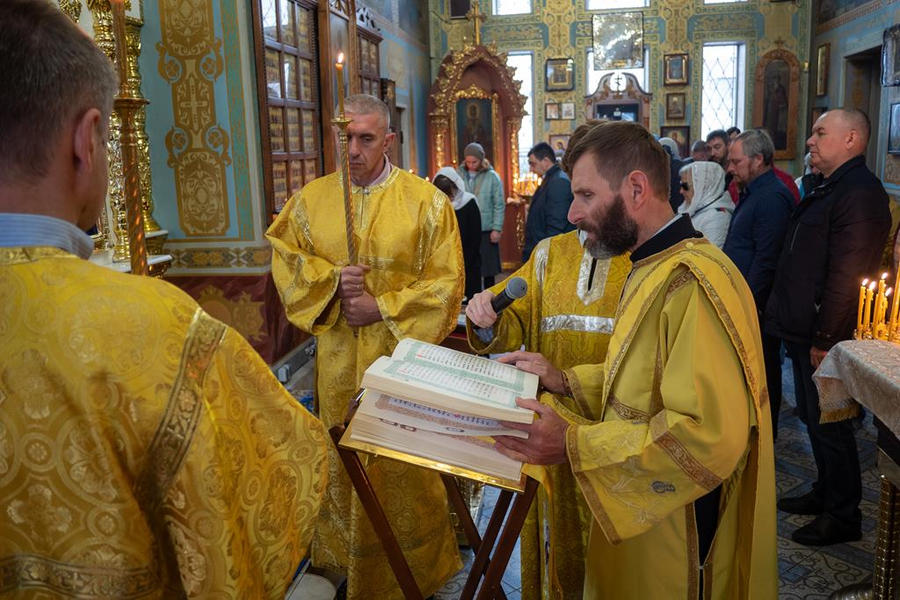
477 369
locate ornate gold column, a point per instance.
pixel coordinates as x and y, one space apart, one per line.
440 122
133 35
101 16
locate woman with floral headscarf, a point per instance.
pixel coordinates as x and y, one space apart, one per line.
706 200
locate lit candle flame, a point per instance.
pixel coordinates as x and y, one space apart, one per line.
872 286
865 281
341 58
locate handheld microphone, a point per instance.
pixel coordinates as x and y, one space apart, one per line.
515 289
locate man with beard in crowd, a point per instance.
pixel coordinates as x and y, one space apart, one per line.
682 450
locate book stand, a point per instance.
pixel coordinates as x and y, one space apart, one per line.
485 569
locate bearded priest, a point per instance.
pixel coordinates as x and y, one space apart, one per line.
678 472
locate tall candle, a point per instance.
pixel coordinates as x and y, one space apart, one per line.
859 309
879 299
118 15
867 315
339 65
895 306
884 303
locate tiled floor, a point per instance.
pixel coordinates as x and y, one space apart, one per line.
804 573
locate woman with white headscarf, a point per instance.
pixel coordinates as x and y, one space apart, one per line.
706 200
469 218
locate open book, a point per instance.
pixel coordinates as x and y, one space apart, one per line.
443 405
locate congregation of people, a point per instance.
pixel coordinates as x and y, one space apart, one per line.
146 450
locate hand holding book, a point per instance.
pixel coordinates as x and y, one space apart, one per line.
546 441
550 377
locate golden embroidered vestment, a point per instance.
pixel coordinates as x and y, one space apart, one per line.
683 410
567 315
146 450
406 232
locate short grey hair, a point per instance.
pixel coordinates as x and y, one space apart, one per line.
757 142
52 72
856 120
366 104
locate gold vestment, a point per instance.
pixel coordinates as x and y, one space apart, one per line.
146 450
683 411
406 231
567 315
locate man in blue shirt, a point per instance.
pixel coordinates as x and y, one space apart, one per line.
756 235
548 214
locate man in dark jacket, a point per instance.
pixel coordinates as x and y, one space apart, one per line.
548 214
835 238
756 235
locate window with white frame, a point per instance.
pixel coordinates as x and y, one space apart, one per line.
595 75
617 4
722 104
512 7
523 62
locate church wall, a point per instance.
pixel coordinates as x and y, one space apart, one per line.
562 29
851 27
202 123
405 60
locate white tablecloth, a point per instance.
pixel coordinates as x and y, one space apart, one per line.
867 371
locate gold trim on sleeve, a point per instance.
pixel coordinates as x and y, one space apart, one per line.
176 428
627 413
680 455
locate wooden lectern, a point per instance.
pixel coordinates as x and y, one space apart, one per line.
485 569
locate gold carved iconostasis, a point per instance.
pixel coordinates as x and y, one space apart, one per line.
673 33
475 98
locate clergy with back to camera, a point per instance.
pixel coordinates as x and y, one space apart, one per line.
678 471
409 283
567 314
146 450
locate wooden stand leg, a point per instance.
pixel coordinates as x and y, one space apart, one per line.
465 517
487 544
507 542
376 515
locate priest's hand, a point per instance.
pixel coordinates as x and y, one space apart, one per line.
534 362
480 311
361 310
352 281
546 443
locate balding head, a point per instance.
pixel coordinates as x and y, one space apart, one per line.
858 121
838 136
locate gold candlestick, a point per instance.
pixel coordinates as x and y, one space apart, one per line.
342 122
126 105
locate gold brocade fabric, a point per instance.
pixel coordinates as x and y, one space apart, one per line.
406 231
146 451
570 323
683 411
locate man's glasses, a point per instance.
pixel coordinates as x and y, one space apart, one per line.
685 186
